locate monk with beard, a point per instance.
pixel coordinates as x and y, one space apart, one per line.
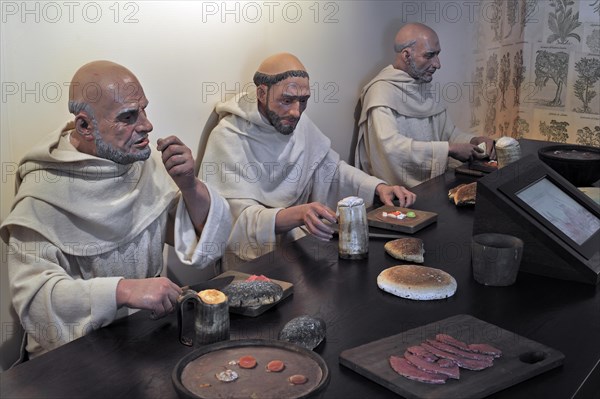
277 169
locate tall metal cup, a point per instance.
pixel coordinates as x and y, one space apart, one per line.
353 228
508 151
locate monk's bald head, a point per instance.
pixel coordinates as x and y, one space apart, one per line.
412 33
279 67
99 83
282 91
417 47
109 105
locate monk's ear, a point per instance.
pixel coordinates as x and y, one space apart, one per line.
261 93
84 126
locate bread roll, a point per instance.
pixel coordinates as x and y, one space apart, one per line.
419 283
243 294
452 191
410 249
466 195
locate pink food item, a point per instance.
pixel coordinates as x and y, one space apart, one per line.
247 362
254 277
452 372
405 369
298 379
422 352
446 363
275 366
448 339
460 352
485 349
469 364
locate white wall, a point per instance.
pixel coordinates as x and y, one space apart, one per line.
190 54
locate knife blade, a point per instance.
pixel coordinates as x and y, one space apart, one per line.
215 283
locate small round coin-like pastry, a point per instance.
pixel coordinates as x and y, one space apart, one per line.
298 379
275 366
247 362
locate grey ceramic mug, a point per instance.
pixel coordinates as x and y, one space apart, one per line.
496 258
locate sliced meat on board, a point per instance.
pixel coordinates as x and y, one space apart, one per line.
405 369
422 353
485 349
451 372
469 364
459 352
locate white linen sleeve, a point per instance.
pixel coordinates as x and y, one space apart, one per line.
451 133
397 158
253 232
53 306
210 247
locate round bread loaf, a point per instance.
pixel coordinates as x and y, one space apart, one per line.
241 294
410 249
420 283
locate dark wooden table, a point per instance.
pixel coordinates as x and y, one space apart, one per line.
134 357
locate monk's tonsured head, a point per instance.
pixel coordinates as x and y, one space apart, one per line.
282 90
417 47
109 106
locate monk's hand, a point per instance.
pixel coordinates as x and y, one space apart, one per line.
158 295
490 145
465 151
317 218
387 194
178 161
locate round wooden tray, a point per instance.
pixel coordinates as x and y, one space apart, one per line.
194 375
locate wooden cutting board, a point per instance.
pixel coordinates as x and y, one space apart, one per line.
406 225
253 311
521 359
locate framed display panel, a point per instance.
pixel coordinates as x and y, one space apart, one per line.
559 225
559 208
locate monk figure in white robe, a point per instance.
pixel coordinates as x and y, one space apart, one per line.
406 136
277 169
94 208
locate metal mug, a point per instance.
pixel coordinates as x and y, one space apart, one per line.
353 228
508 151
211 321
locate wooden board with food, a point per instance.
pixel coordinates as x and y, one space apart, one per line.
458 357
251 295
400 219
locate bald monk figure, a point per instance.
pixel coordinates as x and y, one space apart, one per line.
277 169
405 136
95 206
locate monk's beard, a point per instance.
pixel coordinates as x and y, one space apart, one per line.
280 127
107 151
418 74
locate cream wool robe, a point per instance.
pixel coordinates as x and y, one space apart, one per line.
79 224
403 132
261 171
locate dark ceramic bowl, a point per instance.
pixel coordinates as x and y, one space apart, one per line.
579 164
194 375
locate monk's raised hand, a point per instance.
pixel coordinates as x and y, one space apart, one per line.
178 161
388 193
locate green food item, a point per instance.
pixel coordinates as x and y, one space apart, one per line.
411 214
